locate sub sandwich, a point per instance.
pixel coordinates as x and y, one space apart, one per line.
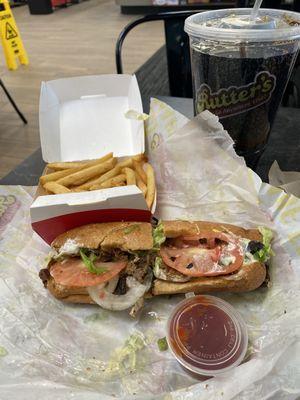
203 257
117 264
106 263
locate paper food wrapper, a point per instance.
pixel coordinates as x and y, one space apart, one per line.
289 181
49 349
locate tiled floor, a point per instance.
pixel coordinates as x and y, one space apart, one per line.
78 40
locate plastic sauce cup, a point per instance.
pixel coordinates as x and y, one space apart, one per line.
207 335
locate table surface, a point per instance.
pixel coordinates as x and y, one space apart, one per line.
283 146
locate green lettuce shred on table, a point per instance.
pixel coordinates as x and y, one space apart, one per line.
162 344
124 359
3 351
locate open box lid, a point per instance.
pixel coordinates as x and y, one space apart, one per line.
83 118
53 215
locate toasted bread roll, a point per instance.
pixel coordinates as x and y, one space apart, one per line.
123 235
67 293
180 228
247 278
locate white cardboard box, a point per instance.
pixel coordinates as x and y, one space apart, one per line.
84 118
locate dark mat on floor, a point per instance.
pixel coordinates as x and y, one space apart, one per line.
153 77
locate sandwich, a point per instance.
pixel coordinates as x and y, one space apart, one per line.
204 257
105 263
117 264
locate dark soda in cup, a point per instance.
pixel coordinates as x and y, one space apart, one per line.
240 70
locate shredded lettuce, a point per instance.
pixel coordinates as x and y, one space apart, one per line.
3 351
158 236
157 265
124 358
264 254
157 262
89 262
162 344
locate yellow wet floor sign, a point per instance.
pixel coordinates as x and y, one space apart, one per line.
10 37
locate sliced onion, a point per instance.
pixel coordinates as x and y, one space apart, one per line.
106 299
112 284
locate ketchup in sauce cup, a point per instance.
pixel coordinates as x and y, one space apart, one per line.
207 335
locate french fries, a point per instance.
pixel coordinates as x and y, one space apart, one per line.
141 185
140 157
130 176
54 176
112 182
87 173
150 185
105 172
139 169
126 163
66 165
86 186
110 174
56 188
94 183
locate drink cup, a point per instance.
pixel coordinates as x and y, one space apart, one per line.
240 70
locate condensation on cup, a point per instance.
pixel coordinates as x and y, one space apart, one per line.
240 70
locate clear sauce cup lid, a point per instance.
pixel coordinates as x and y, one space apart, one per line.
207 335
236 25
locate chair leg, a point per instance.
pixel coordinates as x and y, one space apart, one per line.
13 102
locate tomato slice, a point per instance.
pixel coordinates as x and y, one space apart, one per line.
195 257
73 272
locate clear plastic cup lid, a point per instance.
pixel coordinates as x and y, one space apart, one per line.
207 335
236 25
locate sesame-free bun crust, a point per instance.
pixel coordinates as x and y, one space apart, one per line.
180 228
68 293
121 235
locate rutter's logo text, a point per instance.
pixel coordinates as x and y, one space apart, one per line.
235 100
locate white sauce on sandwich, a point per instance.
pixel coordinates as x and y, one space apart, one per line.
248 257
70 247
226 260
